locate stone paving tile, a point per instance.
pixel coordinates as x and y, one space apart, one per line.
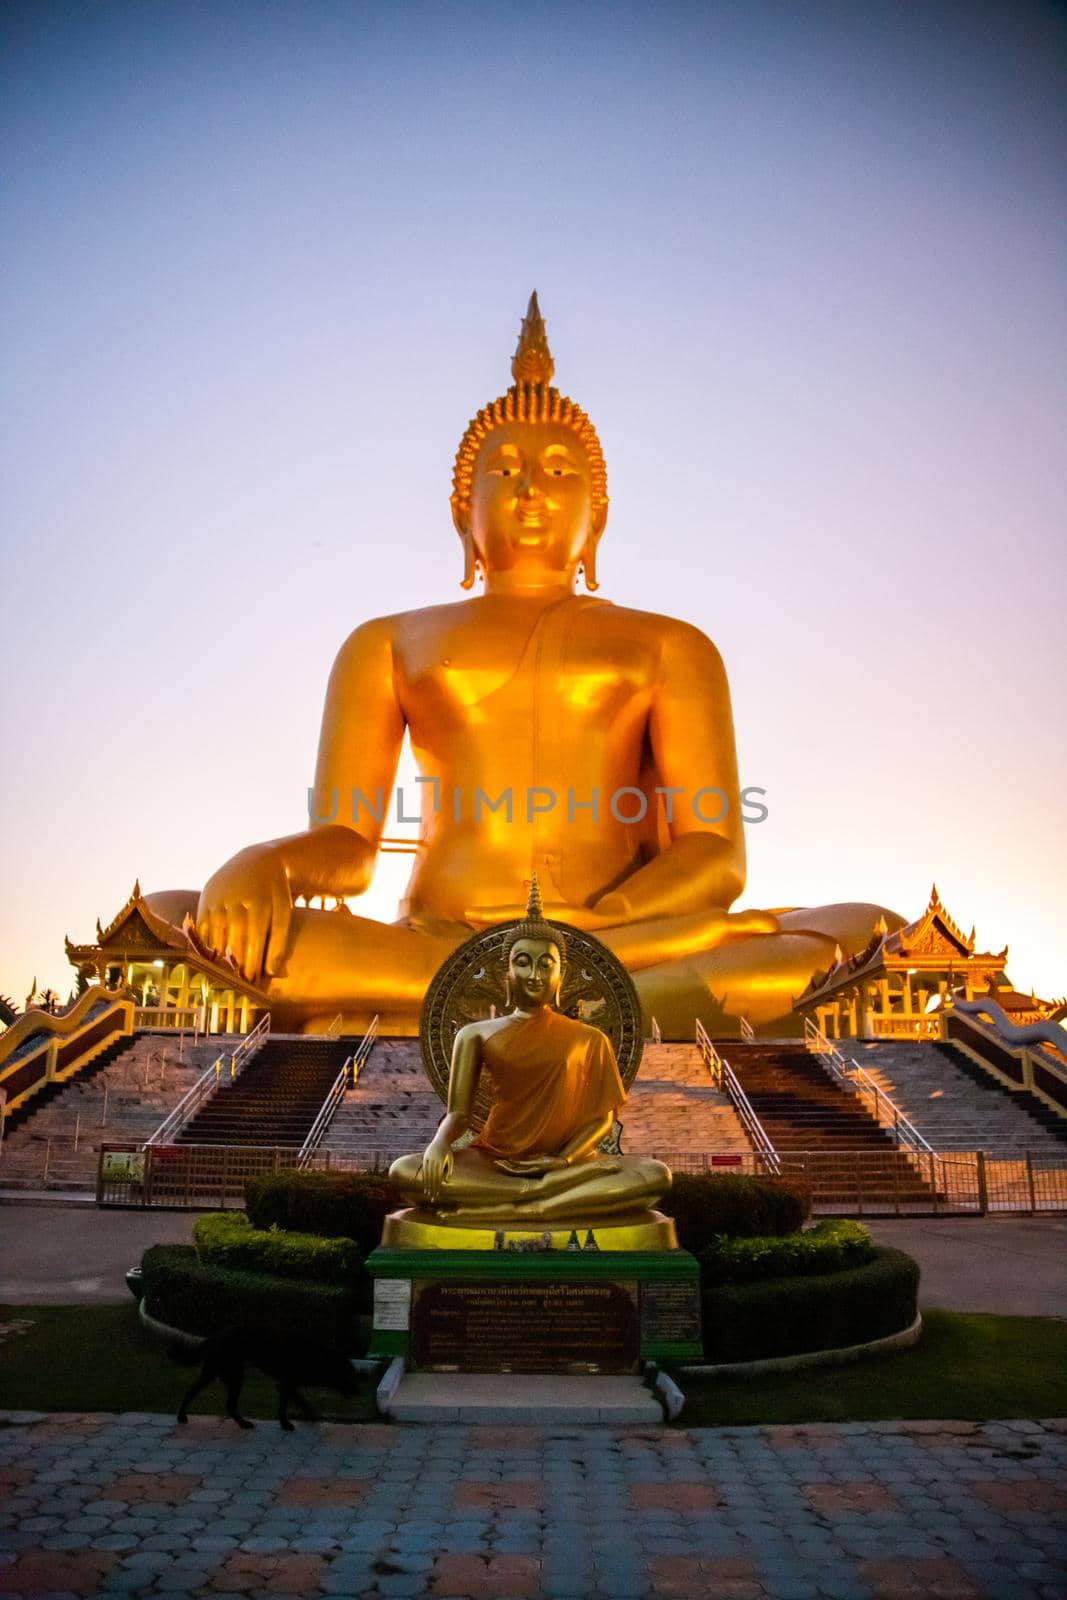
137 1507
835 1499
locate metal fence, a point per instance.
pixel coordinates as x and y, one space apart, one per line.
853 1183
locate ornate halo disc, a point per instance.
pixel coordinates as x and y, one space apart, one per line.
597 989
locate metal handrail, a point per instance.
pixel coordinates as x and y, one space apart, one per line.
724 1077
208 1081
904 1130
325 1116
334 1030
859 1081
250 1044
656 1035
747 1031
347 1076
187 1105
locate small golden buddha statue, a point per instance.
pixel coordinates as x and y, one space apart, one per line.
555 1093
556 733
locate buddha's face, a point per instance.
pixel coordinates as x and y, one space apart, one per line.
531 499
534 973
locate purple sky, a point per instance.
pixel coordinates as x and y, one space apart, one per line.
803 266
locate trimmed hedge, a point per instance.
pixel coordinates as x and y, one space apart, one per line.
199 1298
832 1246
354 1205
707 1205
790 1316
335 1205
228 1239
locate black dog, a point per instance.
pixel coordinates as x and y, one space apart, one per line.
289 1361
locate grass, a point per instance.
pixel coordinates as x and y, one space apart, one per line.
973 1368
100 1358
969 1367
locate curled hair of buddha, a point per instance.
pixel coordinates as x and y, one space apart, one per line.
531 398
534 926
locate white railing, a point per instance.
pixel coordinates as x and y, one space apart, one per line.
747 1031
207 1083
852 1077
723 1077
184 1017
345 1079
656 1035
334 1030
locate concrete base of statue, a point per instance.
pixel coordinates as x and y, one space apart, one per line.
517 1400
575 1307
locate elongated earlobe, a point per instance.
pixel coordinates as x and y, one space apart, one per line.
507 993
589 565
470 562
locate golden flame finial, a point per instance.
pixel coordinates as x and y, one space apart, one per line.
534 908
532 361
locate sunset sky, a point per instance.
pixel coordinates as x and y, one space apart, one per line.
802 264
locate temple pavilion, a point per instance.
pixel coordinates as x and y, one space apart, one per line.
895 987
174 979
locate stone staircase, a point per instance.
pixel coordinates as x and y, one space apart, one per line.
392 1109
803 1110
121 1098
955 1104
274 1101
675 1109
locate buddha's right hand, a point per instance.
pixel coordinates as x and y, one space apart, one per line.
437 1166
245 909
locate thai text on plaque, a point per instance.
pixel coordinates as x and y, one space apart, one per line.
525 1327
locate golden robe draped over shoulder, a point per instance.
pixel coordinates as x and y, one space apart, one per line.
551 1077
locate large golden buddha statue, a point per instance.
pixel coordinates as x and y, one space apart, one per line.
555 733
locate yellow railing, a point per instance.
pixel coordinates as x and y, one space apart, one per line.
67 1043
905 1027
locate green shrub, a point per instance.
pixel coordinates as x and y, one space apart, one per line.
831 1246
336 1205
199 1298
706 1205
789 1316
228 1239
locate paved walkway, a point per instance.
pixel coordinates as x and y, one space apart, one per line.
1003 1264
77 1254
137 1506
